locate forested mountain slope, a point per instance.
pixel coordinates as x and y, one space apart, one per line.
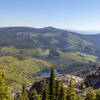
48 37
62 48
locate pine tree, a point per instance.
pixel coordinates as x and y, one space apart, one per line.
57 90
34 95
62 93
4 92
52 84
24 94
82 88
98 94
71 95
45 93
90 95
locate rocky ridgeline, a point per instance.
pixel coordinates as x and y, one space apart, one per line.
93 80
39 83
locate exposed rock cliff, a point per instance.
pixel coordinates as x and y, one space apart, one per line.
93 80
39 83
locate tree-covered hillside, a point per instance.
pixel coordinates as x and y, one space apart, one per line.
49 37
59 47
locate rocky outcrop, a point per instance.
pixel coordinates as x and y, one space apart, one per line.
39 83
93 80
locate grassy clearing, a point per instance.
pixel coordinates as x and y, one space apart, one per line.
78 57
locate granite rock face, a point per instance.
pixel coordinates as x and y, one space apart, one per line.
39 83
93 80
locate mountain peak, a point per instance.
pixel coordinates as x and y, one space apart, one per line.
49 28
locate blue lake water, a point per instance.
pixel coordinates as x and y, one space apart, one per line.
48 73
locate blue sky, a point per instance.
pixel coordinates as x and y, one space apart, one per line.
66 14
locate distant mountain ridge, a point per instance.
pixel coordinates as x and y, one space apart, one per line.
27 37
86 32
56 46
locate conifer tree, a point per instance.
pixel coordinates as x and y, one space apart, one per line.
24 94
45 93
57 90
90 95
34 95
71 95
62 93
4 92
98 94
52 84
82 88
